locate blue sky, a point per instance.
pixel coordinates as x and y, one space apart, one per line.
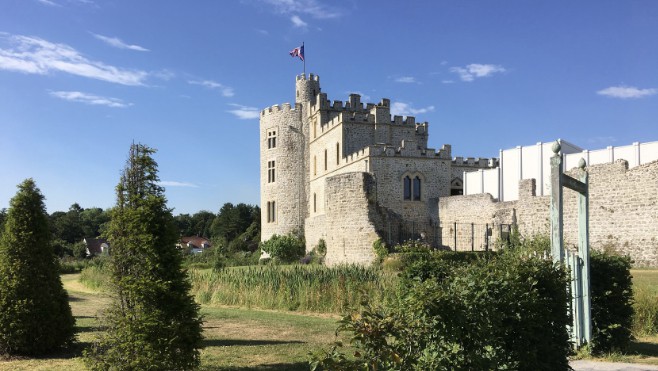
81 79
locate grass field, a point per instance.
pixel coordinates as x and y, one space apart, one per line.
249 339
235 339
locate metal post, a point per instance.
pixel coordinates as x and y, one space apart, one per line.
583 251
455 236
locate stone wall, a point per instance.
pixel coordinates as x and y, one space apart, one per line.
623 210
349 228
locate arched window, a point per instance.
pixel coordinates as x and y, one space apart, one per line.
416 191
407 188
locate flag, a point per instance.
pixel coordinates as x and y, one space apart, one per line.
298 52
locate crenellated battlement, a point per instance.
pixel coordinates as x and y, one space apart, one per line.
475 162
310 77
285 107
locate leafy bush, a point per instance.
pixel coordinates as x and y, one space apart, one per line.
288 248
612 301
35 316
499 312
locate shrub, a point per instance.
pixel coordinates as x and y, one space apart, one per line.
35 316
153 322
287 248
612 301
496 313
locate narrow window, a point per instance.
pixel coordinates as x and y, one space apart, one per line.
417 188
315 165
325 160
407 188
315 208
271 171
315 130
337 153
271 212
271 139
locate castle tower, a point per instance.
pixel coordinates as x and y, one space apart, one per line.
283 161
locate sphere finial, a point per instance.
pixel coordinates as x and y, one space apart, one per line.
581 163
556 147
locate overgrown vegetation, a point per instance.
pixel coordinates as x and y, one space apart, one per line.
645 293
153 322
312 288
35 316
288 248
463 312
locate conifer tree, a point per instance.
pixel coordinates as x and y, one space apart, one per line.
153 323
35 316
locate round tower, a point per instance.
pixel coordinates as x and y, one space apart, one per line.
307 88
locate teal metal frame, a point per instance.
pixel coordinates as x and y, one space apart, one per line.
577 262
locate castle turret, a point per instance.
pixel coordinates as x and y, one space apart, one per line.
307 88
283 160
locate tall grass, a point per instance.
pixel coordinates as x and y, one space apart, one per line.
308 288
95 277
645 287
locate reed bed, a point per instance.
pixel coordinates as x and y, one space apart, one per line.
306 288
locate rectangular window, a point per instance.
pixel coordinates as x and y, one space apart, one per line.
416 189
407 188
271 212
325 160
337 153
315 208
271 139
270 171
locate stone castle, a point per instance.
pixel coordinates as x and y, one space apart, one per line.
348 173
351 174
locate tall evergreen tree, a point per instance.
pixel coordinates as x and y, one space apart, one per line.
35 316
153 323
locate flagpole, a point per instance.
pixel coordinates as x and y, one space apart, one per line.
304 58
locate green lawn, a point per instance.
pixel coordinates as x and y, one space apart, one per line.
248 339
235 339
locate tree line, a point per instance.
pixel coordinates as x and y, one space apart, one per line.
233 228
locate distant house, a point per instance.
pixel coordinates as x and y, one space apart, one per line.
194 244
96 246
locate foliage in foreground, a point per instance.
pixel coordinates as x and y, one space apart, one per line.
153 322
612 302
35 316
496 312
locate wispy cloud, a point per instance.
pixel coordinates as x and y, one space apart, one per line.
34 55
314 8
48 2
225 90
406 79
406 109
172 183
626 92
95 100
117 43
262 32
244 112
298 22
475 70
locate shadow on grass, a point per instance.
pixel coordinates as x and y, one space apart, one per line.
297 366
75 298
240 342
642 348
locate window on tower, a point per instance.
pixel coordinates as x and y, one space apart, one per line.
271 139
271 167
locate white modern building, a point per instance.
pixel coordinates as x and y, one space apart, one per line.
533 161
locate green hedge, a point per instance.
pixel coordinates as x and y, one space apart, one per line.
464 313
612 301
